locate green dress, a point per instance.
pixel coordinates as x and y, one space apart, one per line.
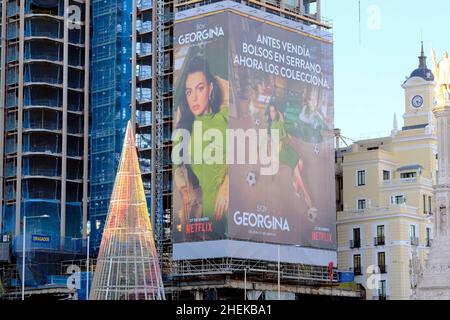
287 155
210 176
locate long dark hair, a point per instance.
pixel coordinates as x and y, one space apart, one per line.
198 64
269 118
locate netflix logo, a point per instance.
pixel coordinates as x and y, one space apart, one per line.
322 236
203 227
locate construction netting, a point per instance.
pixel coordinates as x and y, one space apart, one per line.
41 161
110 102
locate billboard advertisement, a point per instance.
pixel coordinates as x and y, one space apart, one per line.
253 141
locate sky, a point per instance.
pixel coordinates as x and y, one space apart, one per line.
372 58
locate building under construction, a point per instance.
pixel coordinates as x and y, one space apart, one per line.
44 98
63 106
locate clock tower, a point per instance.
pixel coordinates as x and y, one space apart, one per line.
419 96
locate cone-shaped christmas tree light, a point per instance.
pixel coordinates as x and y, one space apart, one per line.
127 264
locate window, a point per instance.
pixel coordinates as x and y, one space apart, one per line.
357 264
361 204
382 290
398 199
356 242
382 262
380 231
424 204
379 240
414 238
428 244
429 204
413 230
408 175
386 175
361 178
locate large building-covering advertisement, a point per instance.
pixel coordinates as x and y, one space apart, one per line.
253 133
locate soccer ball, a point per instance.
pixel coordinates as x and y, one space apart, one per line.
316 149
251 178
312 215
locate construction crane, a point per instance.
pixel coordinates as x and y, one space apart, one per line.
339 137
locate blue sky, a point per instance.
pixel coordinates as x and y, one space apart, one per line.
369 74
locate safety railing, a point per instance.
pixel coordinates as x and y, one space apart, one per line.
296 272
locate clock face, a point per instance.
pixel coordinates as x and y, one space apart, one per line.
417 101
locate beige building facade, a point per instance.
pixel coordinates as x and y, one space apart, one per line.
385 226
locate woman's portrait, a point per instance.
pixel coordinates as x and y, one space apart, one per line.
204 187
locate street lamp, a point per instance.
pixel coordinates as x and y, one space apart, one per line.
23 248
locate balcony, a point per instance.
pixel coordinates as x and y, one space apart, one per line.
355 243
414 241
41 126
407 182
40 172
429 242
376 212
379 241
357 271
383 268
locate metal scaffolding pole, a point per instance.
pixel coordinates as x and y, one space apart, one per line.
157 121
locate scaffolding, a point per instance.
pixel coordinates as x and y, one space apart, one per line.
157 110
43 124
153 111
138 31
301 273
127 264
110 103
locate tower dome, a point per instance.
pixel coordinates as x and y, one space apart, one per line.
422 71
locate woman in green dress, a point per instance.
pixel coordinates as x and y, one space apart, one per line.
201 104
288 155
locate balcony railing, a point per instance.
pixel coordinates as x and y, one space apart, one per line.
429 242
44 172
355 244
414 241
381 297
383 268
379 241
407 181
393 208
